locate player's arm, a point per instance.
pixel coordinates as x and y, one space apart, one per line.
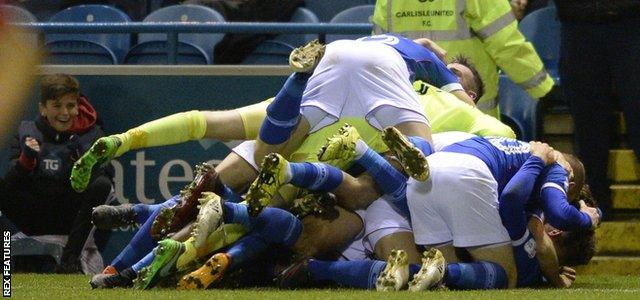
437 73
515 195
440 52
434 70
448 81
517 192
546 254
555 204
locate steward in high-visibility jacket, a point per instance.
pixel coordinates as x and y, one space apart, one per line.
483 30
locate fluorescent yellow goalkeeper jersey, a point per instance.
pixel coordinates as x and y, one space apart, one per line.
444 111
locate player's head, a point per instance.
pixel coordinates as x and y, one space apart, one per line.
469 76
576 176
575 247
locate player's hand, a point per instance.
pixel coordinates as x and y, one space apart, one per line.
592 212
543 151
567 276
431 45
562 161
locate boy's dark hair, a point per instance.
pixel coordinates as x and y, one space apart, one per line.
580 245
54 87
477 80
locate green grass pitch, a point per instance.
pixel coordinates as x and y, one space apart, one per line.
36 286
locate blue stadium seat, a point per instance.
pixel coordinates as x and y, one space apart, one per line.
70 52
358 14
327 9
269 53
118 44
517 109
17 14
42 10
186 13
276 51
155 53
542 29
301 15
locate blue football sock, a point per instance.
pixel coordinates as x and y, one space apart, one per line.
475 276
315 176
278 226
144 211
283 113
245 249
141 243
392 182
413 269
234 213
145 261
422 144
229 195
138 247
358 274
274 225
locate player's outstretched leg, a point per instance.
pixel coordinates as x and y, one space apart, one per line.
341 147
305 59
296 275
101 152
411 158
123 279
271 177
109 217
210 272
396 274
163 265
209 218
161 224
169 251
431 273
173 219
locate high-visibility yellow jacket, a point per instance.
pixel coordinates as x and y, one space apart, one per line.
483 30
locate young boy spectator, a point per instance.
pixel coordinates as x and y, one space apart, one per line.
36 194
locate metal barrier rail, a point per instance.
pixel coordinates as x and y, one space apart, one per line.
172 29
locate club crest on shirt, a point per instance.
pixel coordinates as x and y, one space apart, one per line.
383 38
